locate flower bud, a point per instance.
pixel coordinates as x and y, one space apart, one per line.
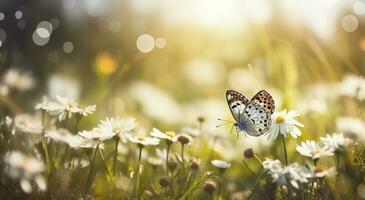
164 182
248 153
184 138
194 164
210 187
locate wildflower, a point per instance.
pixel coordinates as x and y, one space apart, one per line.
210 187
64 108
169 136
142 140
248 153
43 105
86 110
221 164
283 122
311 149
276 170
336 141
184 138
117 126
19 80
27 169
164 182
74 141
96 133
351 125
28 124
194 164
320 172
293 173
353 86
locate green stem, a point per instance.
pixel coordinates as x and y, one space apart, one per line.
138 171
256 184
105 165
167 159
182 159
248 168
44 144
285 151
115 154
91 169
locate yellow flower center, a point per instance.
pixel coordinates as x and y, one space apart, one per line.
116 130
170 134
140 138
280 119
68 107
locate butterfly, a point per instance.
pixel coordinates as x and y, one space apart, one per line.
252 116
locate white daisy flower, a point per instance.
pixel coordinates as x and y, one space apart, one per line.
351 125
142 140
320 172
64 108
293 173
87 110
353 86
336 141
96 133
28 124
74 141
221 164
117 126
284 122
276 170
311 149
297 173
19 80
27 169
168 135
42 105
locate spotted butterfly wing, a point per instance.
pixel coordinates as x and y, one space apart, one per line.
265 99
237 103
255 119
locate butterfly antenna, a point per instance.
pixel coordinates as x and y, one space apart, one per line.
224 120
225 123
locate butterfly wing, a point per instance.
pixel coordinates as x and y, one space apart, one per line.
256 119
237 103
264 99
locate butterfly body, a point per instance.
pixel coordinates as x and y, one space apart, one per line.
252 116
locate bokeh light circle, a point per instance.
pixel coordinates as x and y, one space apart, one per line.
2 16
55 23
18 14
68 4
38 40
46 25
160 43
145 43
68 47
350 23
43 33
359 8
